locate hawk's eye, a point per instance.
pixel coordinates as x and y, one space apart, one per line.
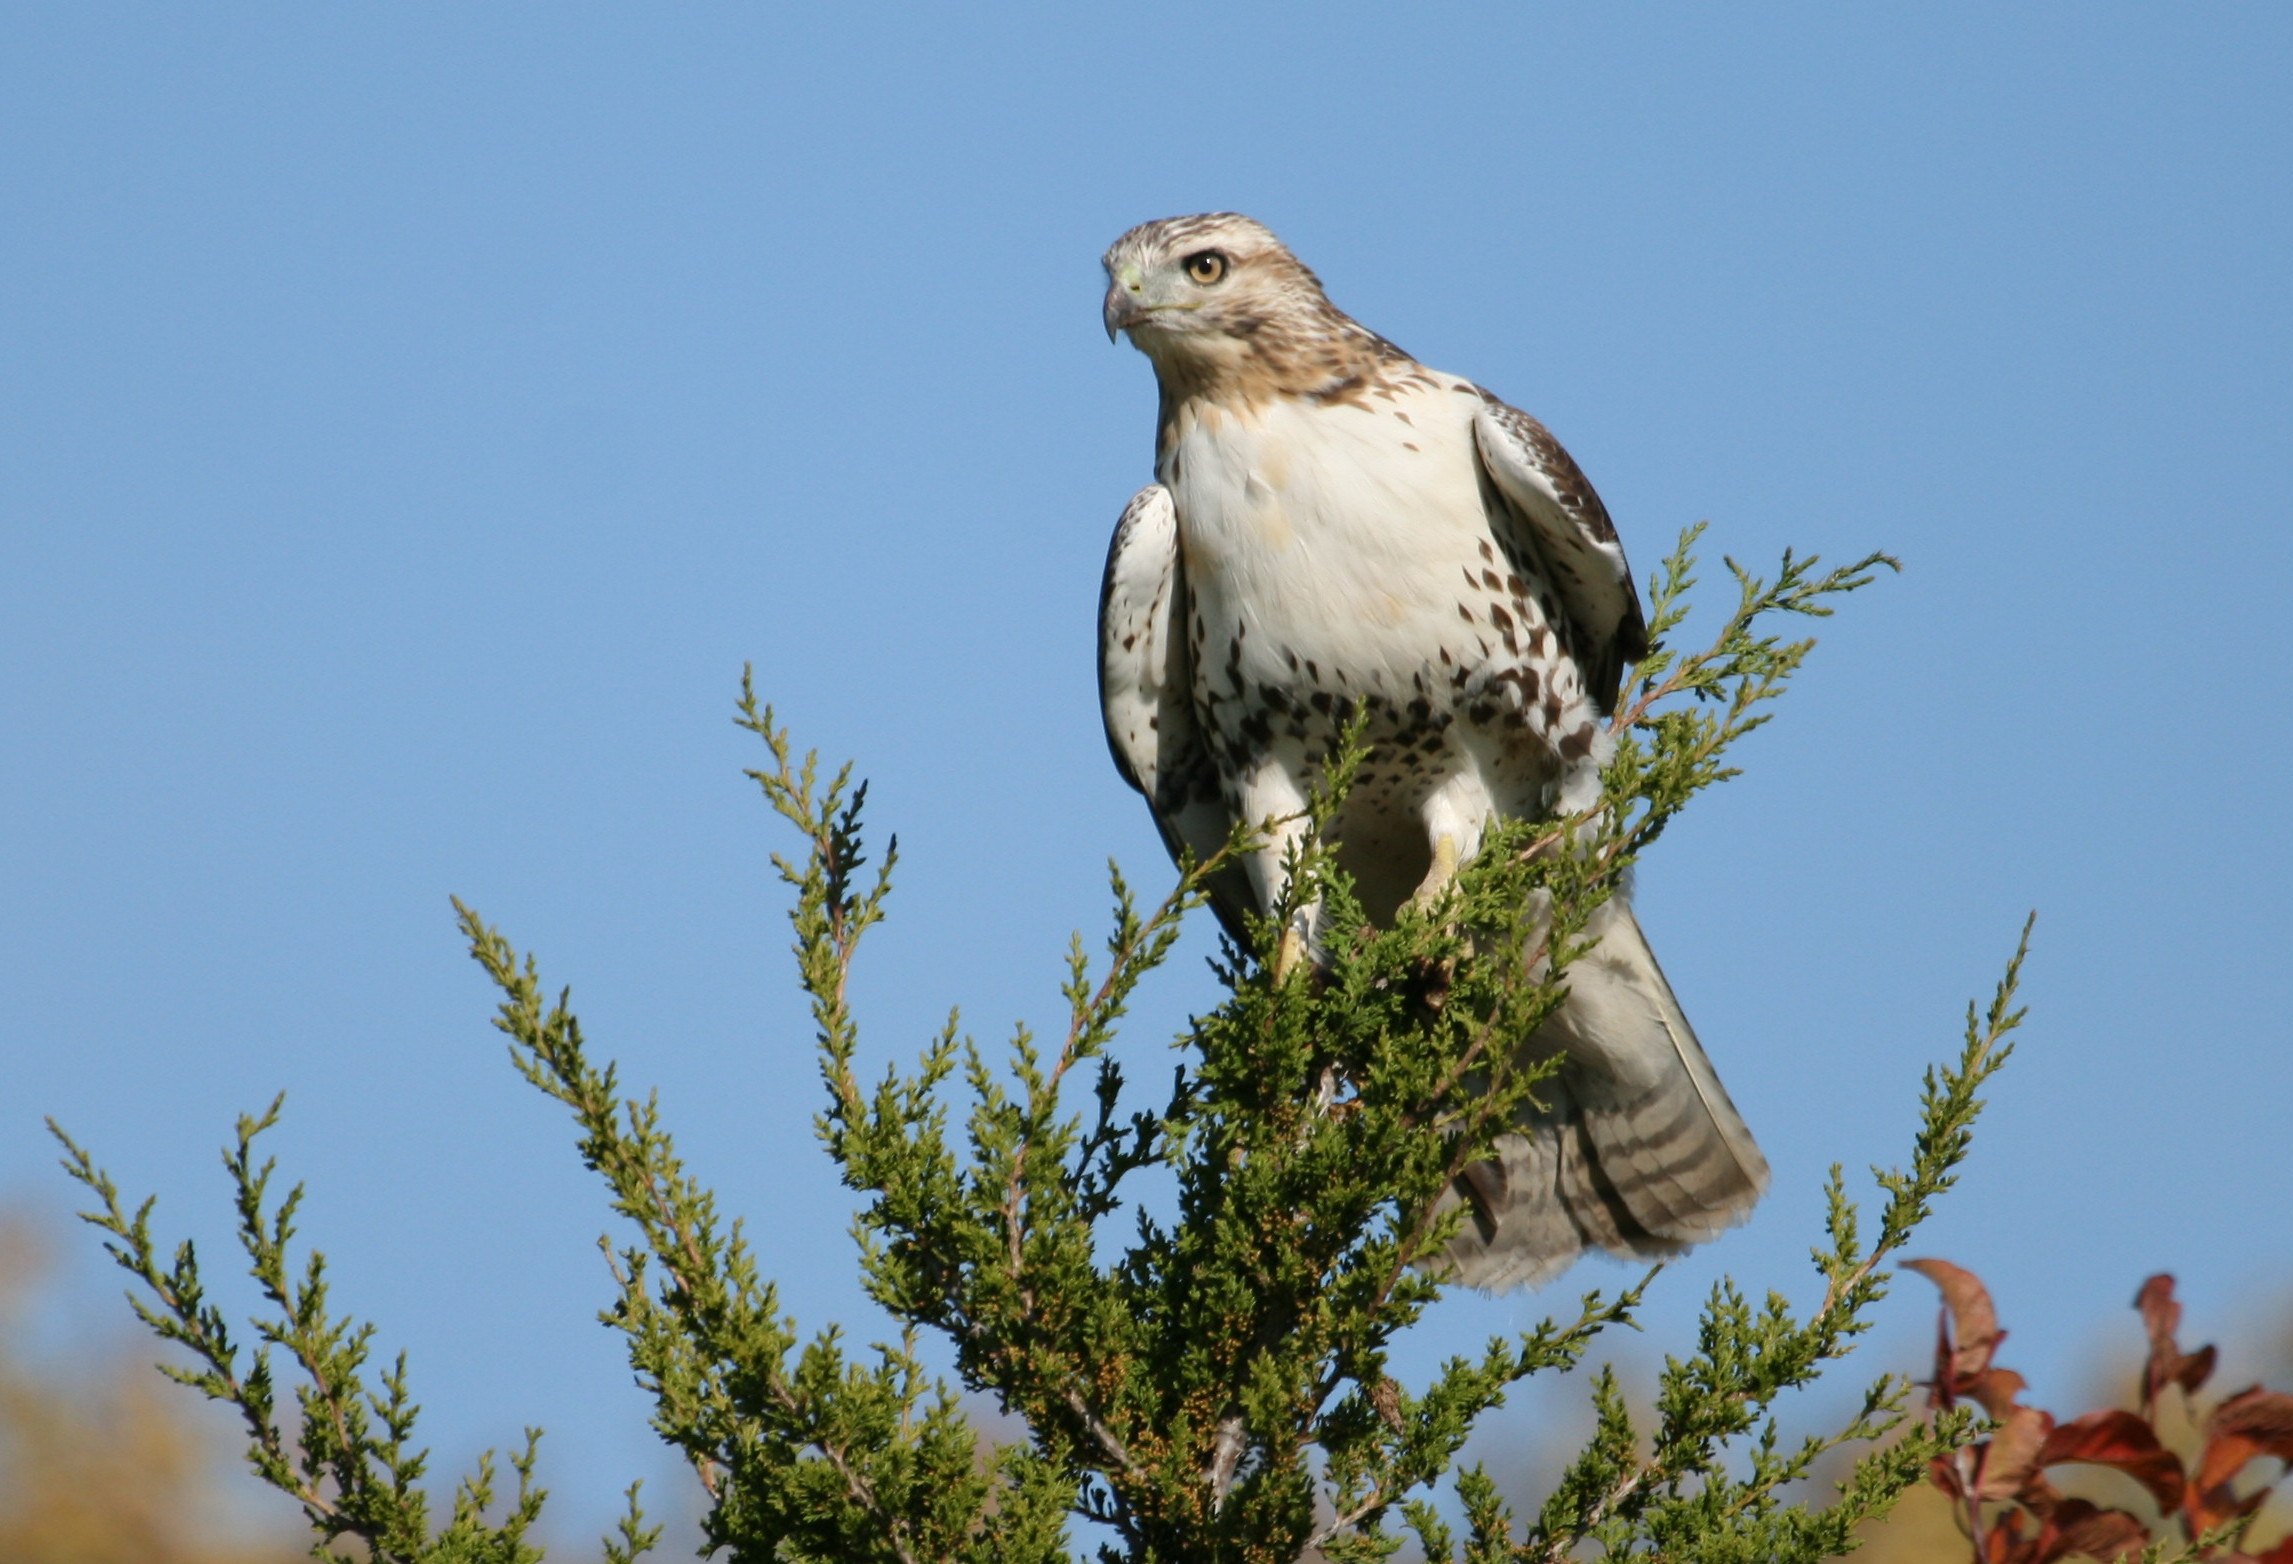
1206 267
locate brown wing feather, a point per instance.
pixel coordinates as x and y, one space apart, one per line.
1548 509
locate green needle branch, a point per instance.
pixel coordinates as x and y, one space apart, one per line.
1202 1374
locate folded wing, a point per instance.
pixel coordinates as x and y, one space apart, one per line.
1549 512
1146 691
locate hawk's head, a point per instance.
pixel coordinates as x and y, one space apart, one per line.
1204 275
1208 293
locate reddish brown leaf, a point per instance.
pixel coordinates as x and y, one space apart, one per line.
1973 1320
2211 1504
2168 1364
2122 1441
1942 1390
2005 1543
2161 1314
2010 1457
1945 1476
2250 1424
1996 1390
2263 1416
2193 1369
2077 1527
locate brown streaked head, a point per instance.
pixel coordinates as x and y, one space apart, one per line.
1216 298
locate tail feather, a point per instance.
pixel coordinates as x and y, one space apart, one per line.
1633 1147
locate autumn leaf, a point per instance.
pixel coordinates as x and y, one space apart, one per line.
2012 1456
2077 1527
1973 1318
2263 1417
1968 1339
2006 1544
2254 1422
2168 1364
2013 1515
2124 1442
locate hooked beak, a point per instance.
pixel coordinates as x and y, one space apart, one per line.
1126 302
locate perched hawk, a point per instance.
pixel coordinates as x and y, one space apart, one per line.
1334 528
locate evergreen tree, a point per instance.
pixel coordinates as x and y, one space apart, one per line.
1218 1390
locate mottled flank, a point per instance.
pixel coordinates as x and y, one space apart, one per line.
1338 531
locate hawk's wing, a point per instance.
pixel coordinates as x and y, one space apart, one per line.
1558 521
1146 692
1634 1146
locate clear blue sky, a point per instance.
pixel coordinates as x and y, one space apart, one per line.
413 417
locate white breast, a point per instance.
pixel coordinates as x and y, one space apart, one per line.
1334 533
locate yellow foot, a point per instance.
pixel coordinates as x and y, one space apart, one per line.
1439 878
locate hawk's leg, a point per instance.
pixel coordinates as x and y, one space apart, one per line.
1270 795
1446 862
1293 949
1455 813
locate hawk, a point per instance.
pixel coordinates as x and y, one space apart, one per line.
1336 529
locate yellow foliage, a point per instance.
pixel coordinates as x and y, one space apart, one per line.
105 1462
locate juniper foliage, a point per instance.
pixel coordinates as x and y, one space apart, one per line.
1221 1390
